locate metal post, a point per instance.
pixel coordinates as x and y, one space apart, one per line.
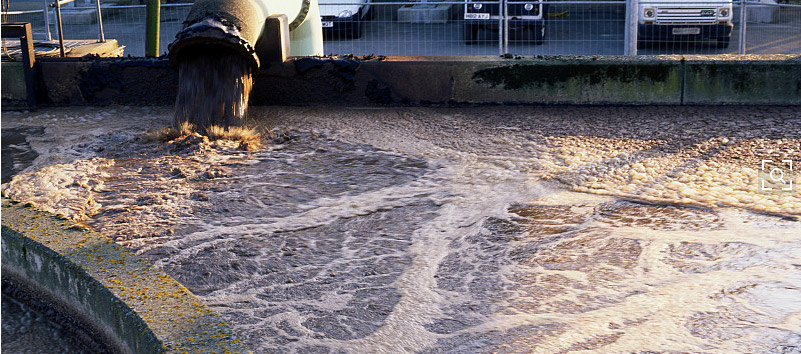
500 26
100 23
743 20
45 12
152 31
505 27
60 28
632 20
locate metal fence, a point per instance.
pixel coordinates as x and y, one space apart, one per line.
493 27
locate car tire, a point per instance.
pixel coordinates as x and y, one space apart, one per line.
355 27
357 30
470 34
539 33
723 42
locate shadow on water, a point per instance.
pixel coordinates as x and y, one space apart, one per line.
17 154
31 326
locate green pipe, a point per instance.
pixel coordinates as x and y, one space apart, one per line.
152 28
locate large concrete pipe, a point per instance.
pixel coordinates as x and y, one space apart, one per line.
224 42
243 25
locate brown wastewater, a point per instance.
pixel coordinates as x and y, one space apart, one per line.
500 229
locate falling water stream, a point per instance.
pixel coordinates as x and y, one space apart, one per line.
213 89
452 230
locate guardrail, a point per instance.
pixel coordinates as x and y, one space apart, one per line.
24 16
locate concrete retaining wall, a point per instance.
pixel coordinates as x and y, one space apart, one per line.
773 79
123 300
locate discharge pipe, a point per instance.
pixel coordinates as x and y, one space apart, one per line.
224 42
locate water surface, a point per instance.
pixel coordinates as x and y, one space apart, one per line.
453 230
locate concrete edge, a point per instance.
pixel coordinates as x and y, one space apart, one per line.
377 81
130 305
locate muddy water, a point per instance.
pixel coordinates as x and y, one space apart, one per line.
30 327
213 89
469 230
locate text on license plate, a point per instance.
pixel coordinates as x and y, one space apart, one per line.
690 30
328 23
476 16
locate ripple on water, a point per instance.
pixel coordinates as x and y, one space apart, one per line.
430 231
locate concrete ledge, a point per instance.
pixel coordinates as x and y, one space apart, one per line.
132 306
672 80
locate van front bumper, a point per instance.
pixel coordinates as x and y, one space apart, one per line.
666 32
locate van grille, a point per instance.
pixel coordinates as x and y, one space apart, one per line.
685 15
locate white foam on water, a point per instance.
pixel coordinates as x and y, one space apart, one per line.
670 247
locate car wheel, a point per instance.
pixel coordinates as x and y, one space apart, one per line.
724 42
470 34
539 33
356 30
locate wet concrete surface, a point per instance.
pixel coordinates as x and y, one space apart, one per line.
453 230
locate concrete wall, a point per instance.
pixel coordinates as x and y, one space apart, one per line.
125 302
774 79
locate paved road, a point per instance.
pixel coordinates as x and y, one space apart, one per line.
578 32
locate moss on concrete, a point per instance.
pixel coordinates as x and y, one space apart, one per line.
136 307
13 83
756 82
575 80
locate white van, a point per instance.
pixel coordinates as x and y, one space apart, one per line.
686 20
343 18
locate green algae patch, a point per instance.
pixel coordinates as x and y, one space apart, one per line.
125 301
735 82
583 80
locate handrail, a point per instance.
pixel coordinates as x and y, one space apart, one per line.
57 6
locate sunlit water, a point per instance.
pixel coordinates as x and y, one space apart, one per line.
469 230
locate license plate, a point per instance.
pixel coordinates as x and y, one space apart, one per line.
691 30
476 16
328 23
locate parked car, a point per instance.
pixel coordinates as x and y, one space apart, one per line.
526 20
343 18
686 20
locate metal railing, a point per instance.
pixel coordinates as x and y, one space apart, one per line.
44 29
582 27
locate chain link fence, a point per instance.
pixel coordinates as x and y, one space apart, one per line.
493 27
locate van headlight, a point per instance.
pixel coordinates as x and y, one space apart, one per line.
528 7
478 6
649 13
345 13
723 12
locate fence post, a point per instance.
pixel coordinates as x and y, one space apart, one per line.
46 14
152 28
632 19
743 20
501 27
505 27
